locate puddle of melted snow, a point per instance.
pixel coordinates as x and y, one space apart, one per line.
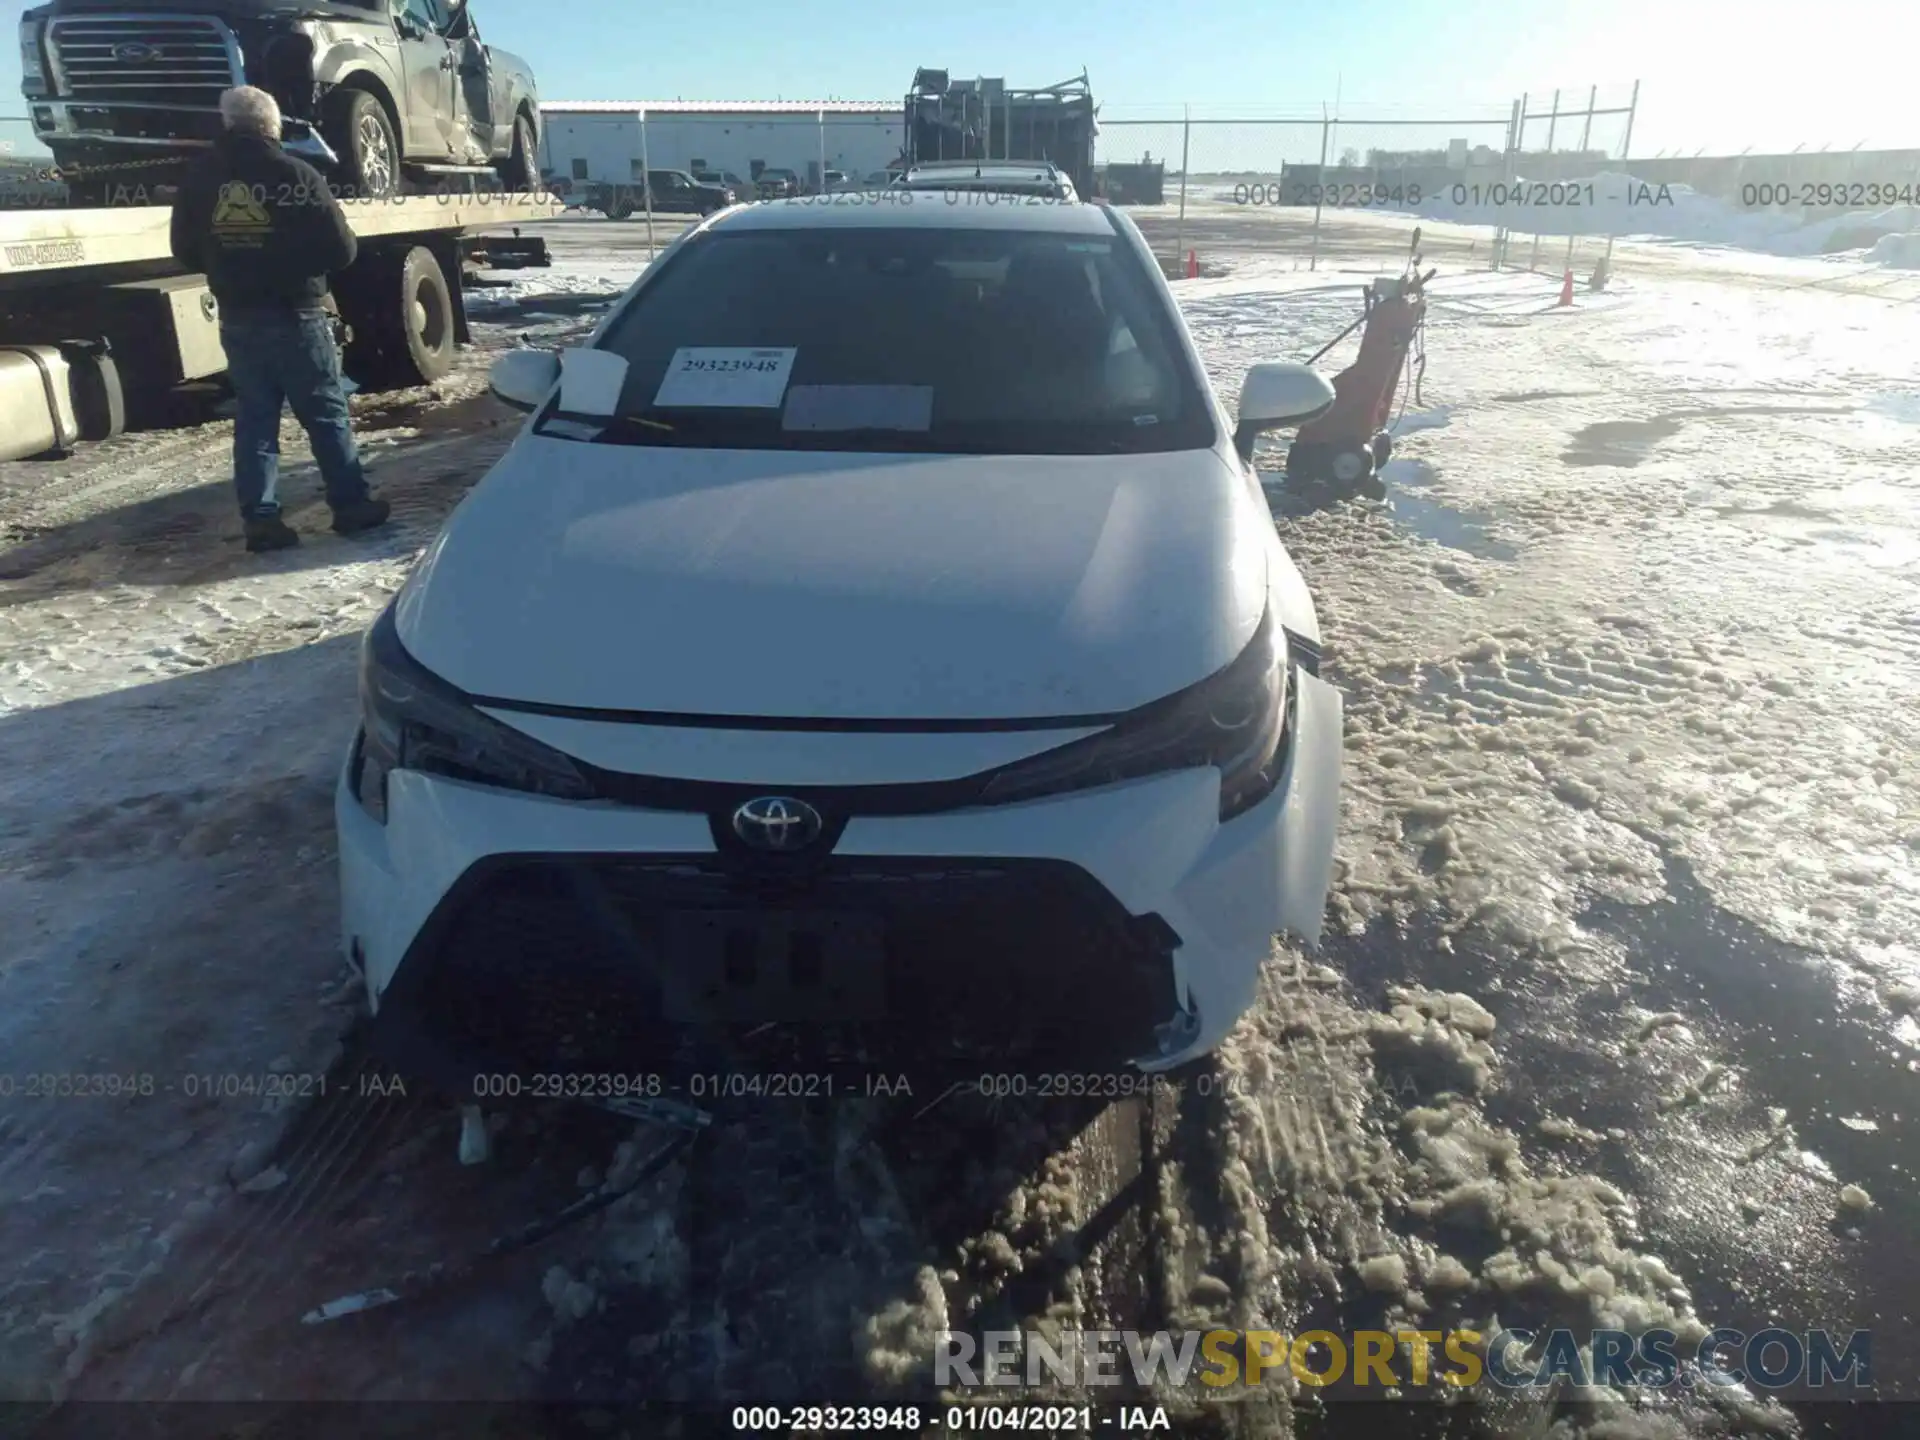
1406 485
1900 405
1397 487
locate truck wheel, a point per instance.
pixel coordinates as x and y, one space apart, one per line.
357 128
428 317
400 311
99 400
620 208
520 171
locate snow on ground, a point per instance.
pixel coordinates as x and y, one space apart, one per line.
1626 636
172 715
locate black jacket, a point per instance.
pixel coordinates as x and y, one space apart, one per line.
261 225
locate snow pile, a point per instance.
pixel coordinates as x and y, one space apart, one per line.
900 1341
1435 1042
1898 252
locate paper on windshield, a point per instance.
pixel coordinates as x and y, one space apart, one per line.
731 377
859 407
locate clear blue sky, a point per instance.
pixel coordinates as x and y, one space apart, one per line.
1716 74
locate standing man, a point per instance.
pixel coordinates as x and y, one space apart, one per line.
266 231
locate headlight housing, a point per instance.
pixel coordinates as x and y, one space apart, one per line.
33 65
411 719
1235 720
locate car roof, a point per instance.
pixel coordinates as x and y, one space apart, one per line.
972 212
984 168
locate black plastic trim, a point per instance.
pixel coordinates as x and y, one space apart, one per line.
847 725
401 1032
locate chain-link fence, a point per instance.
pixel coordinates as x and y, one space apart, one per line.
1516 185
1535 183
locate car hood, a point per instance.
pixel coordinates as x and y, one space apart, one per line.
804 584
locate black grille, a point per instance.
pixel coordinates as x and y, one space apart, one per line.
579 966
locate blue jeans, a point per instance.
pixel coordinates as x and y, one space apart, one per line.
287 358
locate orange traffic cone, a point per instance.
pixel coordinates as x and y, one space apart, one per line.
1193 264
1566 288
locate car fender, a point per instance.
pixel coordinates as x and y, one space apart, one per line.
360 65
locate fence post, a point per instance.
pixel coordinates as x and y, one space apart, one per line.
646 184
1586 134
1633 105
1553 124
820 120
1319 188
1518 135
1186 140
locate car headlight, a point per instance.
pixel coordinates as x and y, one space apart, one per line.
411 719
33 68
1234 720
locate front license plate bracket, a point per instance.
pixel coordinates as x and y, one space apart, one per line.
756 966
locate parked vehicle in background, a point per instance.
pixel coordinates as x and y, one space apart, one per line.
778 184
671 192
675 192
385 100
997 177
834 181
726 180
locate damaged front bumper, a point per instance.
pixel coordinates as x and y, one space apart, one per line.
94 134
1117 928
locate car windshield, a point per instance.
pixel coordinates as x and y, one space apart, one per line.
906 339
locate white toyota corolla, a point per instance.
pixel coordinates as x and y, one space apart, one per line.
876 637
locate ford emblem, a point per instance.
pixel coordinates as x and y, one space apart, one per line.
135 52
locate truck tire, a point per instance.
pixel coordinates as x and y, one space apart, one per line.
620 207
357 128
427 315
99 400
520 171
399 308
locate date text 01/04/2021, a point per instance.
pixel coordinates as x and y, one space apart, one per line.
967 1419
199 1085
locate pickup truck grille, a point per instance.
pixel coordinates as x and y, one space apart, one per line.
182 61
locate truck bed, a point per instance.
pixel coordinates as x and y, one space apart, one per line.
38 242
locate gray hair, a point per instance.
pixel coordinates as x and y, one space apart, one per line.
249 110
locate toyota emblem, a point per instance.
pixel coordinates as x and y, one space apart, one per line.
135 52
777 822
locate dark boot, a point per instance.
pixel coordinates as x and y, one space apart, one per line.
269 532
360 515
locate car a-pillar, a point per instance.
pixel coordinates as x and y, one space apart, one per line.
402 307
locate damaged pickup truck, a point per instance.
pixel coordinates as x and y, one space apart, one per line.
386 96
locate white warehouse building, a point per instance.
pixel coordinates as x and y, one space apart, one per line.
611 142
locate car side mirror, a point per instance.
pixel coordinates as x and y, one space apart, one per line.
1275 395
524 378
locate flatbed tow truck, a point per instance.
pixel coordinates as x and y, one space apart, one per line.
99 324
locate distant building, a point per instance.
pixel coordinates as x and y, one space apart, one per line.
600 140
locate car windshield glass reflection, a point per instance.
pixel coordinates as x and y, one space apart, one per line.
906 339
